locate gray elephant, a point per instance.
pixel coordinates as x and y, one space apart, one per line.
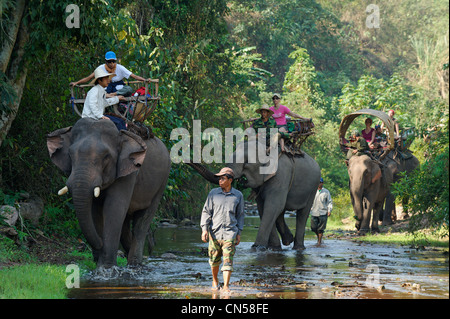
369 185
293 187
400 165
116 180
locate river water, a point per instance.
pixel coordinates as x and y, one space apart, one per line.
342 268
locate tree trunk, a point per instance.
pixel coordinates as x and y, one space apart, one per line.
14 66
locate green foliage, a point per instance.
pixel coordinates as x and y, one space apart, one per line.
373 93
428 188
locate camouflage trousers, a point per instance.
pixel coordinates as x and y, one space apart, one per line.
219 248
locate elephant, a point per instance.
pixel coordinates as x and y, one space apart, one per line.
369 185
293 187
400 165
116 180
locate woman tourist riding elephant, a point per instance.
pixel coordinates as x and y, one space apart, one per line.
369 133
279 114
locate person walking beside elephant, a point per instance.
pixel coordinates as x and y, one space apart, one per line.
320 211
222 222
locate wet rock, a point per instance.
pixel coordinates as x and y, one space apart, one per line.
169 256
380 288
9 214
186 222
264 295
167 224
32 210
412 286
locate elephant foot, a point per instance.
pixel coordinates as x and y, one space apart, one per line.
387 222
134 262
299 247
287 241
362 232
256 247
275 248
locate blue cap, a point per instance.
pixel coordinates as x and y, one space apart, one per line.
110 56
321 180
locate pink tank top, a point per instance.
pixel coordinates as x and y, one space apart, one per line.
367 137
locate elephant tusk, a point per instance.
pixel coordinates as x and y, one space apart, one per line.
63 190
97 191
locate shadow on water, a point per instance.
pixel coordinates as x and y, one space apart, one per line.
178 268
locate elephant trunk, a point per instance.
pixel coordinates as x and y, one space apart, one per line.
82 194
207 174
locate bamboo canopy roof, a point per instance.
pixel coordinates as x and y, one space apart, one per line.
383 116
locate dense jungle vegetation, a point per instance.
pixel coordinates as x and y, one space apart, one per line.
217 61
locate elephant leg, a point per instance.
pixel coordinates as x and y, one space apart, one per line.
302 217
141 225
376 211
274 240
126 236
268 218
115 210
286 235
141 229
389 209
98 222
368 205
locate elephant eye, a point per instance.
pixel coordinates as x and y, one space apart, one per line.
106 157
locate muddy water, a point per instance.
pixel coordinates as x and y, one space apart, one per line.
341 268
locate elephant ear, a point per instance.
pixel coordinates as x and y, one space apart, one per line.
132 154
58 143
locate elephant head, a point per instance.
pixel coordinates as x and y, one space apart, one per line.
94 154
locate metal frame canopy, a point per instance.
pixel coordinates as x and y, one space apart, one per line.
348 119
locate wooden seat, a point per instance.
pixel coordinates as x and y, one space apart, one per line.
301 130
145 103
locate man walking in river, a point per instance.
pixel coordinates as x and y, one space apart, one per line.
222 222
320 211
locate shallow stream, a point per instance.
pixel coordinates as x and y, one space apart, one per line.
342 268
